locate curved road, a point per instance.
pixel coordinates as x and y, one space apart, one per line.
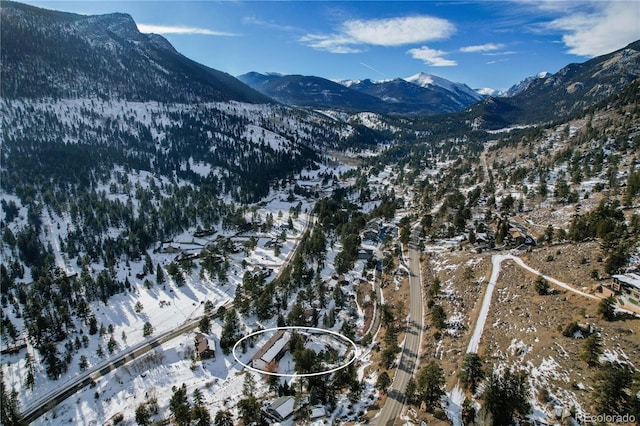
456 395
411 349
49 400
46 402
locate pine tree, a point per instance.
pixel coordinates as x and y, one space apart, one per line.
30 380
430 384
112 345
93 325
591 350
506 397
84 363
223 418
148 264
468 412
249 410
199 413
542 286
205 324
472 372
229 335
612 389
383 382
9 413
410 391
143 415
607 308
179 405
159 275
147 329
249 384
438 317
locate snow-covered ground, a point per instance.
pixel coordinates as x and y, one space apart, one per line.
164 306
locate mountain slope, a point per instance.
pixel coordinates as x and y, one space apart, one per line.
420 94
310 91
523 84
49 53
405 95
463 93
578 86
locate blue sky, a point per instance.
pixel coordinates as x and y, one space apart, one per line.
481 43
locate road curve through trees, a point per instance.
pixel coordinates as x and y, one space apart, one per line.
44 403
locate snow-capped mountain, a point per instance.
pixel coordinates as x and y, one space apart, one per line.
459 89
547 97
578 86
523 84
421 93
310 91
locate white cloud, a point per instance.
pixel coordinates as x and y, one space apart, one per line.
600 28
398 31
168 29
330 43
488 47
354 34
431 57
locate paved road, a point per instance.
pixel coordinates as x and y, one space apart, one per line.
410 352
46 402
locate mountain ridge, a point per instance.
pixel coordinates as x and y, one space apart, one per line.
60 54
426 94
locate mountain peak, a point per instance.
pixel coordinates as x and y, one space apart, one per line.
119 24
525 83
429 80
40 47
421 79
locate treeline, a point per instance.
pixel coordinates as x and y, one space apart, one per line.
163 142
608 223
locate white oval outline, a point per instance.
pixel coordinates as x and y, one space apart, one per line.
296 327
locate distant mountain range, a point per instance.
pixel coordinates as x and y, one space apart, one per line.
419 94
314 92
541 97
549 97
50 54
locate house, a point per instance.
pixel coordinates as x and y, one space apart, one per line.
628 284
516 236
272 351
205 348
317 412
169 248
281 408
365 254
8 348
204 233
370 235
273 243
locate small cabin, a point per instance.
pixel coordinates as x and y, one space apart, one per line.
205 348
